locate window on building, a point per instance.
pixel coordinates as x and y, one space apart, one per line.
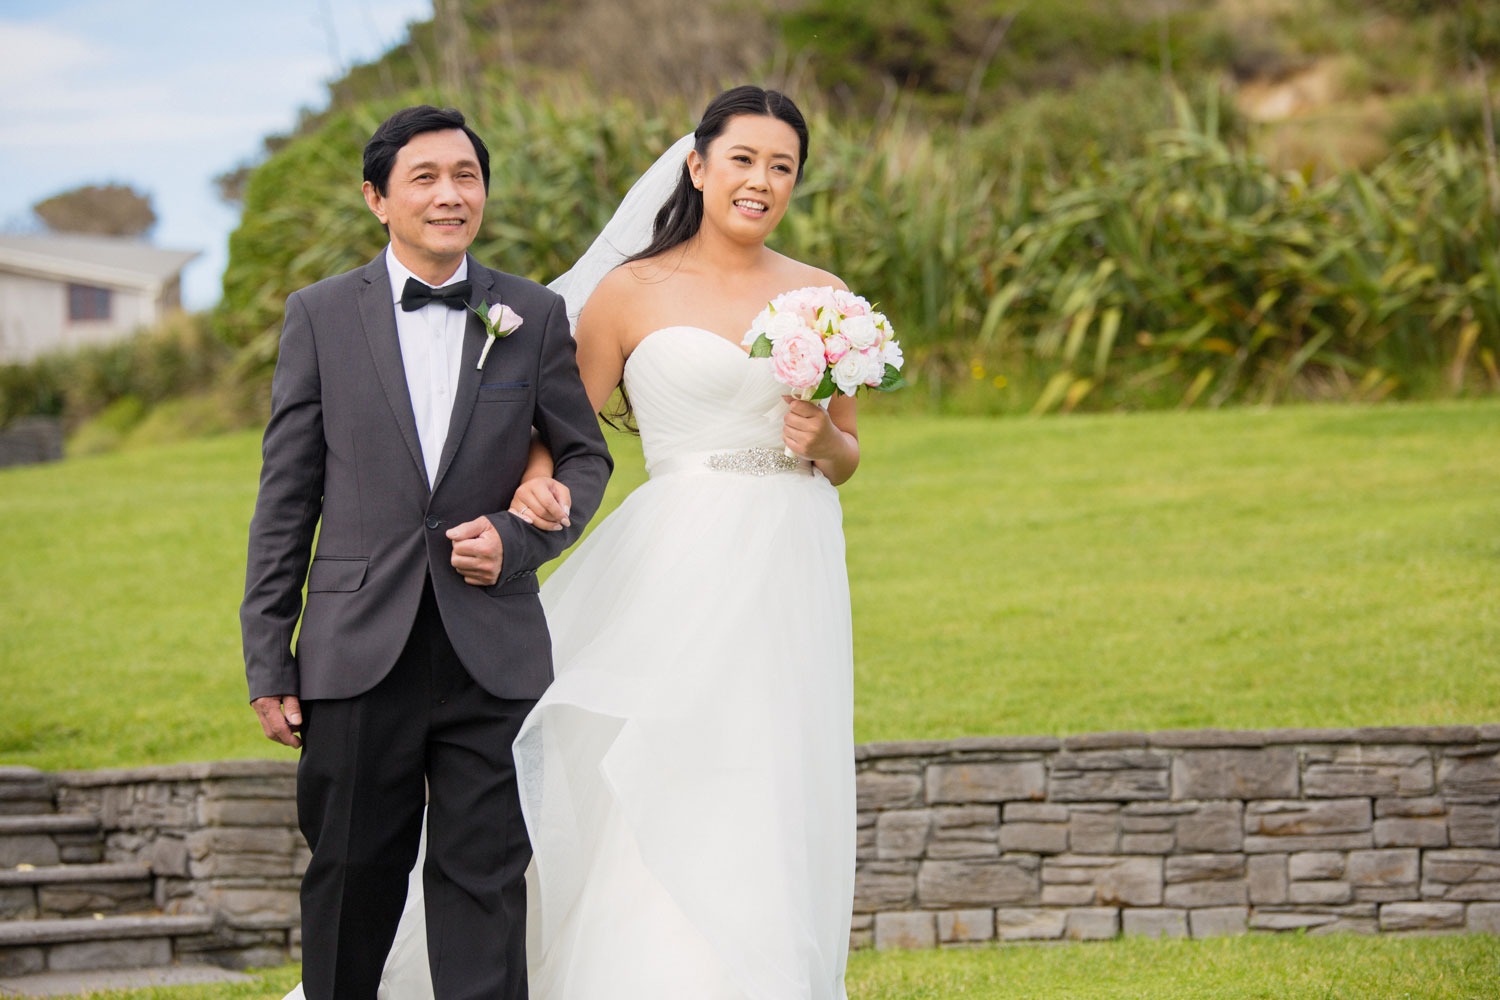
85 302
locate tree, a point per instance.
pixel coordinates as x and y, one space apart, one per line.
103 210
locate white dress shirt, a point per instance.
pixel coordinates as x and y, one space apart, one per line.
432 343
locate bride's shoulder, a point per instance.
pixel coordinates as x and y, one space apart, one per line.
800 275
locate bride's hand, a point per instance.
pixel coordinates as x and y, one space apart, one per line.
543 502
808 431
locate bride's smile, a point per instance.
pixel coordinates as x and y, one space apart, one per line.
747 176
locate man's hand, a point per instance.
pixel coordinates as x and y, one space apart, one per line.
477 552
280 718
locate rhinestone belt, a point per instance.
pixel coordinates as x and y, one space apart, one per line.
745 461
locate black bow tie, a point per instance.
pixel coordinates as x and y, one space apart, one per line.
416 295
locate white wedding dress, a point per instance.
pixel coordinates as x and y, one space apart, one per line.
688 779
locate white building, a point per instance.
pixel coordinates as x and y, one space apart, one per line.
60 292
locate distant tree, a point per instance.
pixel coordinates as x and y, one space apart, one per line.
102 210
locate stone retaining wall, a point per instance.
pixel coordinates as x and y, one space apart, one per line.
1188 833
1179 833
221 840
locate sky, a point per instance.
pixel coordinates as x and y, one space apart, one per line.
163 95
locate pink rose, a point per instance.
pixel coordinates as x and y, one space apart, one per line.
783 324
805 302
835 347
850 304
797 361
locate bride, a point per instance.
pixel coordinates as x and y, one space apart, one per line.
688 779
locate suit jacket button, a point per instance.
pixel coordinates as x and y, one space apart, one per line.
433 523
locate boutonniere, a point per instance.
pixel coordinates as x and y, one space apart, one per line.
500 320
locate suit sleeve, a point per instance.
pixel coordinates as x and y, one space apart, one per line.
566 424
287 508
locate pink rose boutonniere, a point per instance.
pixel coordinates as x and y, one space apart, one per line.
500 320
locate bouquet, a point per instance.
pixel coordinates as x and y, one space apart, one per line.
826 340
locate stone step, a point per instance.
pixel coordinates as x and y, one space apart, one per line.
54 823
28 947
57 874
28 892
24 791
67 984
50 840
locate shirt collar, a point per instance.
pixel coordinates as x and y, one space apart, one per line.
399 273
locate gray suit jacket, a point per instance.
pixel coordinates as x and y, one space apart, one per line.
341 455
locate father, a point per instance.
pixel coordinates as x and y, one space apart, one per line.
422 645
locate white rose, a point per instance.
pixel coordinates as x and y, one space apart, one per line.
891 355
785 324
757 327
861 331
872 368
849 373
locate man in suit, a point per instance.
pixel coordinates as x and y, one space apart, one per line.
422 644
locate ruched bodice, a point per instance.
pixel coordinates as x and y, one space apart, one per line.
693 391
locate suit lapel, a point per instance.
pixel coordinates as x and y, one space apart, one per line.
469 375
378 315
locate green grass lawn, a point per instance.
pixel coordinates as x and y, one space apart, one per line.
1299 567
1281 967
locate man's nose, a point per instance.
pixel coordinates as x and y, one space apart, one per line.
446 192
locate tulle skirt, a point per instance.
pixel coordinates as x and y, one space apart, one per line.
688 779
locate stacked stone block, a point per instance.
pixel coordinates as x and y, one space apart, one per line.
960 843
221 840
1178 834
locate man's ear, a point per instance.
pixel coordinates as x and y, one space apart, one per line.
375 201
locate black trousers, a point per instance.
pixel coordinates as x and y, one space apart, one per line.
360 792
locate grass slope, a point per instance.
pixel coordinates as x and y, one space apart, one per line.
1305 566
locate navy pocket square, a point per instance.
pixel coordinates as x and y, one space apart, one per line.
506 385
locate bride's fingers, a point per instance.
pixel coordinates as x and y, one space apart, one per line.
538 504
564 497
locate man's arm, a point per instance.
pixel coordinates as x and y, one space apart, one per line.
566 426
287 508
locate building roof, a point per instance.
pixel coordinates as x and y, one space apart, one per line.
103 260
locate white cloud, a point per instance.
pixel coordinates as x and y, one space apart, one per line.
165 94
32 56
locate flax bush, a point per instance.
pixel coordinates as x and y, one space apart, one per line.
1192 273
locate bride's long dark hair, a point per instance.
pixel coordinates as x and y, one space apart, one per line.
680 217
682 214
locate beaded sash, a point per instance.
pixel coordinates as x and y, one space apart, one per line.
745 461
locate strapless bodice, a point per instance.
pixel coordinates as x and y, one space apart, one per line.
695 392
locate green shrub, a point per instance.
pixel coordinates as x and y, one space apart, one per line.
1189 273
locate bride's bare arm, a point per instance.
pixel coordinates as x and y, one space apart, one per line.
601 354
541 500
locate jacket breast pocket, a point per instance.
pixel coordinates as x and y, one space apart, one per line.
336 574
